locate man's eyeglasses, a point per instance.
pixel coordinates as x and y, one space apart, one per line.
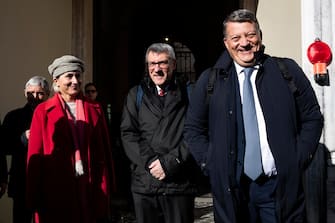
161 64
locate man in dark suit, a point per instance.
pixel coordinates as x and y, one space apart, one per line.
255 137
15 133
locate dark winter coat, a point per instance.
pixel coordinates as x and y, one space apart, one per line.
215 135
155 130
3 164
15 123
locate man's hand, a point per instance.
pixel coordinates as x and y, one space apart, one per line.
27 134
156 170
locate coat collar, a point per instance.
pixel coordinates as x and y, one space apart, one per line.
224 61
54 101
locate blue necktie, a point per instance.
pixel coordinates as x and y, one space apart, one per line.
252 158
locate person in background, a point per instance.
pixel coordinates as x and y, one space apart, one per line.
15 133
91 91
152 137
68 152
3 169
254 141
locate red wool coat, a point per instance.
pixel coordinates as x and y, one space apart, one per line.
54 193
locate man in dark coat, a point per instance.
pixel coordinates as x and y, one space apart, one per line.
3 169
152 135
16 131
288 125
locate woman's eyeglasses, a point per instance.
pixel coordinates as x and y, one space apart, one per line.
90 91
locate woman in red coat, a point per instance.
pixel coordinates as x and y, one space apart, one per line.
68 152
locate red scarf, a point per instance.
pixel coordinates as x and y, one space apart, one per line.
77 129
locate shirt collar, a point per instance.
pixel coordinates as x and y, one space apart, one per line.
239 68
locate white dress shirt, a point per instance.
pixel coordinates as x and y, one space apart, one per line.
268 161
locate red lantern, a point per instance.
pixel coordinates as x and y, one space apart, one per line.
320 55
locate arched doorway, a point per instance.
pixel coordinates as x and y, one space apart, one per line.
123 31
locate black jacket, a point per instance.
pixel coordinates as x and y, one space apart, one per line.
3 162
15 123
155 130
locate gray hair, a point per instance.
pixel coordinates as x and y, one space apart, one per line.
161 48
241 15
38 81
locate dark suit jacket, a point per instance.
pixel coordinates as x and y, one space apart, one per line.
216 139
3 168
15 123
3 163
